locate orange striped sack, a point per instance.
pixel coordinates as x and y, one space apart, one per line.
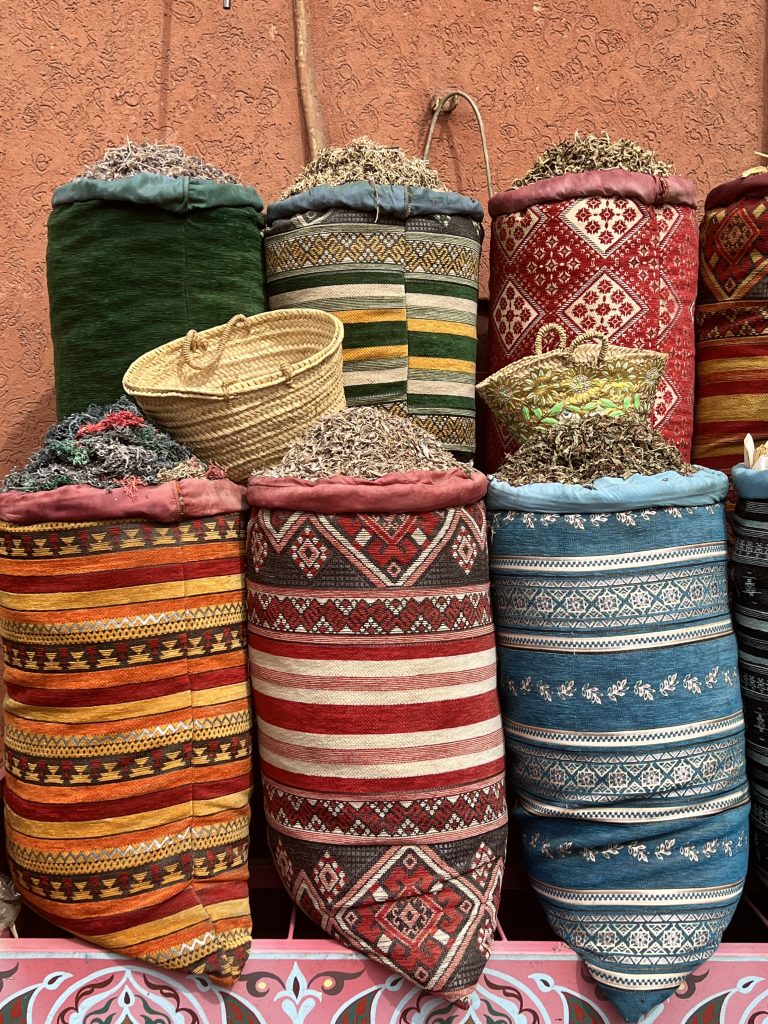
373 664
127 718
732 322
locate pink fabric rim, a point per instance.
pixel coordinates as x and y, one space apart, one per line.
165 503
419 491
647 188
754 186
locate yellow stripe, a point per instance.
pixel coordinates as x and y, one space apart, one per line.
437 363
229 909
359 355
131 709
370 316
442 327
160 929
732 367
730 407
129 823
122 595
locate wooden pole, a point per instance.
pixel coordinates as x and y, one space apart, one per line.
313 119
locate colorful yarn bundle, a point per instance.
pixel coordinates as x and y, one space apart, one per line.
107 447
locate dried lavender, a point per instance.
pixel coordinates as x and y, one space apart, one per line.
363 442
593 153
580 450
364 160
107 447
153 158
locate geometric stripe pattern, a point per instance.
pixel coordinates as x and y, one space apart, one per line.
750 596
373 666
406 292
608 263
731 330
625 732
128 734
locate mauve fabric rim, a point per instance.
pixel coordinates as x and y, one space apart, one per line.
753 185
417 491
166 503
648 188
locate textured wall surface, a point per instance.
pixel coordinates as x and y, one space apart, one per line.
685 76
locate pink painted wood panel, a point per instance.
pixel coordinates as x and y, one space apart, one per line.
318 982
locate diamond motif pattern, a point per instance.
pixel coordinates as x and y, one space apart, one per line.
604 304
603 221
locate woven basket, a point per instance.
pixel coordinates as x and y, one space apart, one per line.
591 377
241 393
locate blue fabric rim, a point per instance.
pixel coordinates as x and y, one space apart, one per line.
177 195
400 201
611 494
750 484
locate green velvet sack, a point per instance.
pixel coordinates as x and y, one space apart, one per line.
137 262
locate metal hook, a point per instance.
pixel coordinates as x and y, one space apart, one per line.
227 5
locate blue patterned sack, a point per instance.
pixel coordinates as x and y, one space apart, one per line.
749 568
623 719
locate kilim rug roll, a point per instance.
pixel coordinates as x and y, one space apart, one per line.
399 267
732 322
374 672
612 250
749 573
623 719
134 263
127 718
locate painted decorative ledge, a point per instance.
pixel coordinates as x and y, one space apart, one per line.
317 982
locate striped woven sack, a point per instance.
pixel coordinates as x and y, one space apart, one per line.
613 251
732 322
374 673
127 718
399 267
749 572
623 719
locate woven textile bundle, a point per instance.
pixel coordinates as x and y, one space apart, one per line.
623 719
399 266
133 263
732 321
127 718
373 667
612 251
749 562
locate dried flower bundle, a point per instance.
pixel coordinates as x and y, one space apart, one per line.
363 442
593 153
153 158
582 450
364 160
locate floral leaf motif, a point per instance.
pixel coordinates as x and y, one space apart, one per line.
592 694
644 690
564 848
529 520
525 684
589 854
546 851
598 518
669 685
545 691
710 847
576 521
674 511
547 519
566 690
664 849
611 851
690 852
638 851
712 676
618 689
691 682
627 518
647 514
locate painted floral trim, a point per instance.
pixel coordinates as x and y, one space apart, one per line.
642 853
596 519
621 688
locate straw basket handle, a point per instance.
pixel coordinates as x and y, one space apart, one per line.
193 342
594 335
591 335
541 334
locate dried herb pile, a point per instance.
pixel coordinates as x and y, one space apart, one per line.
593 153
153 158
581 450
363 442
364 160
107 447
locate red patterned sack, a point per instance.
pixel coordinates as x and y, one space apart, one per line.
611 250
373 665
732 322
